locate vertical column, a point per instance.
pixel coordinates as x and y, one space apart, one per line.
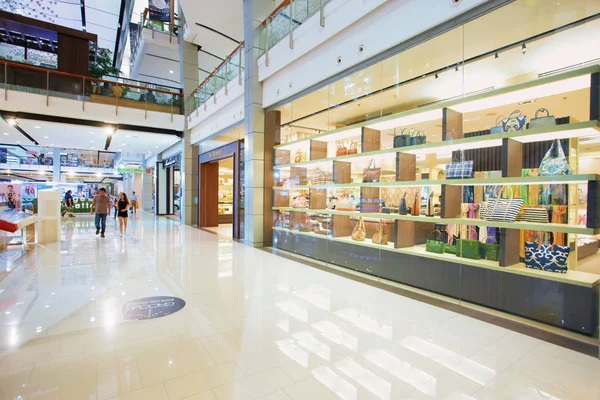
188 55
258 158
56 164
146 192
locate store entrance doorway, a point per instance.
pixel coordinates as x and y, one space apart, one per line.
220 196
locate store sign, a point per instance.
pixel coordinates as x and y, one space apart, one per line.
173 160
151 307
159 10
130 170
221 152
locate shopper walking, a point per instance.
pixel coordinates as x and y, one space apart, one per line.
123 206
113 205
101 205
69 204
134 200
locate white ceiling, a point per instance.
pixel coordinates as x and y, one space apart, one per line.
102 16
82 137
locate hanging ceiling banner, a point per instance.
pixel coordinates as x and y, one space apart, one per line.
159 10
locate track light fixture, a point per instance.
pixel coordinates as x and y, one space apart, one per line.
436 75
523 48
496 56
456 68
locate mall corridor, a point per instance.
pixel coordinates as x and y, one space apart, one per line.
255 326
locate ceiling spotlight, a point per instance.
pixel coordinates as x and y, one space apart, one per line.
92 141
46 137
91 132
496 56
12 121
436 75
92 147
171 71
456 68
6 133
523 48
51 144
156 147
37 127
110 130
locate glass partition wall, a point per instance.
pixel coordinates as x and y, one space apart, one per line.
466 166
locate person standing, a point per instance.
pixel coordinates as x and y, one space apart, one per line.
101 205
123 206
134 200
69 203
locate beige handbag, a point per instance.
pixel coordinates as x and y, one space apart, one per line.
359 233
381 234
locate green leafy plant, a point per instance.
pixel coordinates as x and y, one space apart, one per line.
103 65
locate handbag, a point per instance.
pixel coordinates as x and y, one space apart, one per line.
459 169
381 234
554 161
435 245
306 225
418 137
403 208
371 173
299 202
450 247
533 214
498 128
467 248
300 156
359 233
545 257
353 148
345 204
341 150
547 120
515 122
321 177
501 209
401 140
490 251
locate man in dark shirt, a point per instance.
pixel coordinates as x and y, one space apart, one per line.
69 203
102 205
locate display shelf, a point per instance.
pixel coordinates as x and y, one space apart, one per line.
527 180
578 129
547 86
529 226
578 278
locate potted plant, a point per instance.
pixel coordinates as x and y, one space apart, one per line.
101 67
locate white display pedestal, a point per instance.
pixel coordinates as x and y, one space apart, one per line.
49 213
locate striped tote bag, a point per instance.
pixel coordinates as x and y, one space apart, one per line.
537 215
501 209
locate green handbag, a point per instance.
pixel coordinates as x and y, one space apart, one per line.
490 251
435 245
468 249
450 248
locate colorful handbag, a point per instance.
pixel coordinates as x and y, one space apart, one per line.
546 257
555 161
435 245
547 120
371 173
515 122
353 148
359 233
498 127
418 137
501 209
490 251
403 139
300 156
381 234
459 169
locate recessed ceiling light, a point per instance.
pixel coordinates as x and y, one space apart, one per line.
92 147
120 150
12 121
156 147
37 127
51 144
171 71
127 136
92 141
6 133
46 137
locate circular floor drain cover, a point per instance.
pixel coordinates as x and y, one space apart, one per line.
151 307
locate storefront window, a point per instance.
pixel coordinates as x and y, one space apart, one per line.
465 166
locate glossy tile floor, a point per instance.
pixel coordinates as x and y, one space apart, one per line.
255 326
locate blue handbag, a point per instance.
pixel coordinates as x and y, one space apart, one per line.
554 161
460 169
546 257
515 122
